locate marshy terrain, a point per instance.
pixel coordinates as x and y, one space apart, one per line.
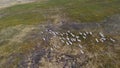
60 34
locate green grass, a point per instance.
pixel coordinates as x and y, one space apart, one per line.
39 12
75 10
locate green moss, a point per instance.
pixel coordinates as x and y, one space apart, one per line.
75 10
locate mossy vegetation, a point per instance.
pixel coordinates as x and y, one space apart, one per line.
103 55
75 10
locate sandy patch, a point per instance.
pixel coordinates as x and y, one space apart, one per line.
7 3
